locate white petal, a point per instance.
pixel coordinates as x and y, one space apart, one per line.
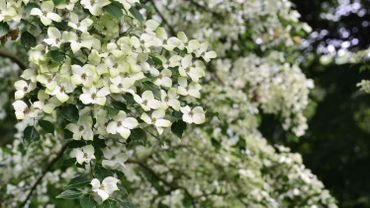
130 123
112 127
95 183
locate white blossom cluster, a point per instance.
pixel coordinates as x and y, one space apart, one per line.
236 30
231 25
20 169
272 85
8 73
130 78
92 66
364 86
256 176
348 57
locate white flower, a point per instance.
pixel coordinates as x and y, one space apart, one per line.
106 188
156 119
62 90
127 3
94 96
85 75
83 128
67 4
164 78
193 89
22 88
170 98
82 25
193 70
84 154
46 14
203 52
147 100
54 37
120 85
22 110
114 158
190 46
94 6
46 103
78 42
195 115
122 124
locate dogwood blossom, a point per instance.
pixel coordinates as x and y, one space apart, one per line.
46 14
195 115
157 119
122 125
84 154
105 188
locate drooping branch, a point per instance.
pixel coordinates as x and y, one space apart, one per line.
204 8
44 172
14 58
172 185
172 30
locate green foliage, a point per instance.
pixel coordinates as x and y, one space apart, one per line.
69 194
31 134
178 128
47 126
114 9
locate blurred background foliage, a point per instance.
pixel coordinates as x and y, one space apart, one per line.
336 146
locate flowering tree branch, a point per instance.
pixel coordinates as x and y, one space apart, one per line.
173 186
172 30
44 172
202 7
14 58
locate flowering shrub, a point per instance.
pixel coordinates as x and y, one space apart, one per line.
117 107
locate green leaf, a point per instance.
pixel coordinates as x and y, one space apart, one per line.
87 202
155 60
70 194
178 128
114 9
56 55
77 182
28 40
137 137
70 113
4 28
109 204
57 2
154 88
31 134
112 112
47 126
136 14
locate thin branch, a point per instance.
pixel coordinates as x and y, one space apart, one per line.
44 172
14 58
172 30
204 8
173 186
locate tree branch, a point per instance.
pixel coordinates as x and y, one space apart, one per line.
172 186
14 58
204 8
44 172
172 30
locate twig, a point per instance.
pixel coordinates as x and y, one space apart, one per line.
172 30
46 170
202 7
173 186
14 58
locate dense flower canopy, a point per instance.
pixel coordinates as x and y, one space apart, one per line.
127 110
